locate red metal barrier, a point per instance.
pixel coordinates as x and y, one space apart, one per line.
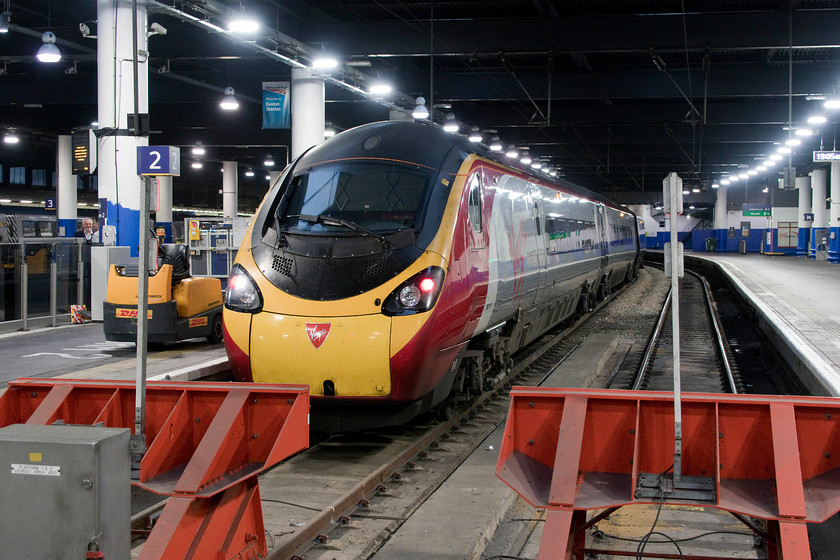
775 458
206 443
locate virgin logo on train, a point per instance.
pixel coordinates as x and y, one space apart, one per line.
317 333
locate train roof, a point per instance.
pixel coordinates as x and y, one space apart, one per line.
423 144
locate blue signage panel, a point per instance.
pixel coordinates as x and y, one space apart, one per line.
158 160
49 204
826 156
276 113
808 217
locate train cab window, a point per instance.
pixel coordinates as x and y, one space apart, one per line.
474 204
377 196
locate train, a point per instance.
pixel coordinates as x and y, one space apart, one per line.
396 267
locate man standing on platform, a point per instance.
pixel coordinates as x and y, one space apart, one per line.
87 231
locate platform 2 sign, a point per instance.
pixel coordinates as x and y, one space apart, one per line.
158 160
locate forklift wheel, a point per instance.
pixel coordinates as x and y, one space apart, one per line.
216 335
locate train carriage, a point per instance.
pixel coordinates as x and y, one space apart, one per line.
395 268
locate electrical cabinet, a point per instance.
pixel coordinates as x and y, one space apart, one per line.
62 488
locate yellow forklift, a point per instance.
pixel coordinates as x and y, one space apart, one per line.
180 306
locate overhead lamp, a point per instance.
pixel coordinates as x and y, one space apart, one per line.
451 125
420 111
783 150
268 177
752 172
48 51
817 119
526 159
832 103
496 144
512 152
475 135
761 168
536 165
229 102
329 132
793 142
743 176
722 182
197 165
553 173
5 20
242 24
198 149
249 173
324 62
776 157
686 191
380 88
695 190
804 131
734 178
11 138
269 162
764 189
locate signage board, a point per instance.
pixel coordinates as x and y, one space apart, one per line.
826 156
756 210
158 160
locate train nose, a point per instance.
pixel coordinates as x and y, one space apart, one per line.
335 356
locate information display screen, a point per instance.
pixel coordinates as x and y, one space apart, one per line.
81 152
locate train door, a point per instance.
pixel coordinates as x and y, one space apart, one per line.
476 235
541 257
603 245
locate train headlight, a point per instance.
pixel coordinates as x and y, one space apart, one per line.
415 295
242 293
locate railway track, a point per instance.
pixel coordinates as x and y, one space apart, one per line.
347 494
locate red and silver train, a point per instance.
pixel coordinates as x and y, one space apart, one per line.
396 267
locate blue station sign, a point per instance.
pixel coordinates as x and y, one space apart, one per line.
826 156
158 160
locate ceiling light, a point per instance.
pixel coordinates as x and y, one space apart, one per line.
743 176
804 132
752 172
553 173
817 119
783 150
268 162
197 165
512 152
695 190
26 202
325 62
764 189
496 144
768 163
198 149
536 165
329 132
48 51
761 168
833 103
526 159
268 177
776 157
229 102
249 173
793 142
686 192
451 125
380 88
475 135
734 178
243 24
5 20
722 182
420 111
11 138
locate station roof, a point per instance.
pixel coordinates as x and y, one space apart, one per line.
611 94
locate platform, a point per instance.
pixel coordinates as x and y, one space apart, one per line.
797 307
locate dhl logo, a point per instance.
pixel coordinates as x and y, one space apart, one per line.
123 313
198 322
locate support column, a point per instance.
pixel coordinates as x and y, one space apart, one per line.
117 147
164 213
722 217
834 215
804 186
308 118
66 192
818 177
230 189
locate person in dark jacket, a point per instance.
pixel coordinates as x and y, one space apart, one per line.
86 232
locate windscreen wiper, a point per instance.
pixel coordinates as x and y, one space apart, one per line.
333 221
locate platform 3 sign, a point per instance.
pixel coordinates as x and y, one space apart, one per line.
158 160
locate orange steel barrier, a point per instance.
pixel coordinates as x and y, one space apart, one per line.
775 458
206 443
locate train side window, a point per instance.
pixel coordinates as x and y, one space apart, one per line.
474 204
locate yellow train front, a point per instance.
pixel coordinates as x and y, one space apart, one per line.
395 268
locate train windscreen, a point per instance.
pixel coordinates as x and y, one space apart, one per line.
378 196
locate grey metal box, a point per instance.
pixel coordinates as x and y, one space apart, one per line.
62 487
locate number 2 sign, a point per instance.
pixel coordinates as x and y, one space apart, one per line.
158 160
